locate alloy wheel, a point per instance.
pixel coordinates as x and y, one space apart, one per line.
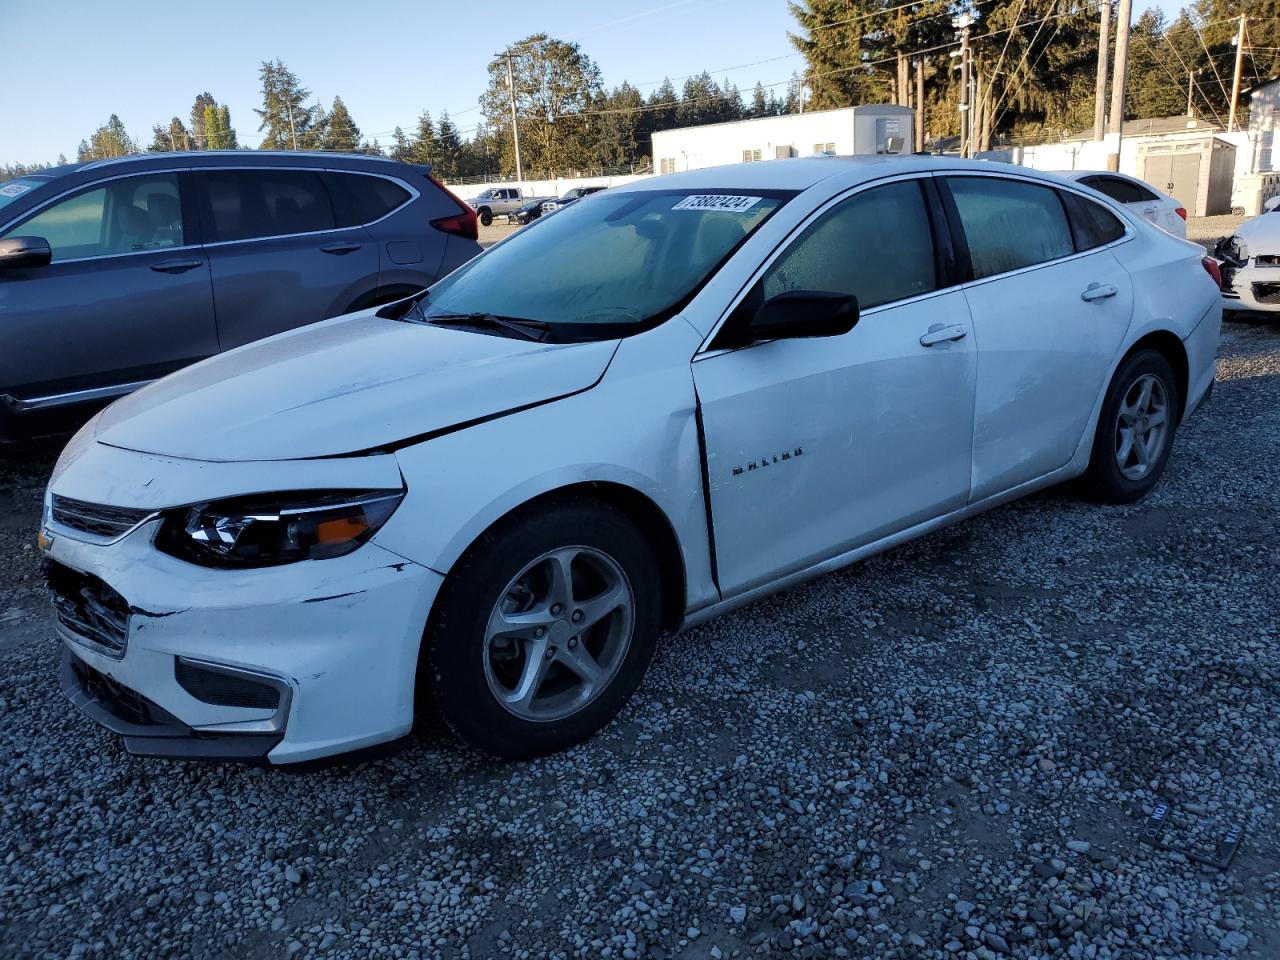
1142 427
559 633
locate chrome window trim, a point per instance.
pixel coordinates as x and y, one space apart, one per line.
704 350
24 217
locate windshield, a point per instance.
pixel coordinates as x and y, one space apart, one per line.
621 261
13 189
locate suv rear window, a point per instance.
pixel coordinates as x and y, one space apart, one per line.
267 203
360 198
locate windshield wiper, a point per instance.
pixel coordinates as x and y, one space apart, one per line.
527 329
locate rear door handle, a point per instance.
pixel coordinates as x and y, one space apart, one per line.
340 248
176 266
940 333
1098 291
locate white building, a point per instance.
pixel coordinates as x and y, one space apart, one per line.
871 128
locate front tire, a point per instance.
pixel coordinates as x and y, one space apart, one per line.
1136 429
486 216
543 629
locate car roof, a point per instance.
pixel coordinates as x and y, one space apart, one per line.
802 173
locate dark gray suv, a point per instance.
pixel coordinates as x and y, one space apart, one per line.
116 272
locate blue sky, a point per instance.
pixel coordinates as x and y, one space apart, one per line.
147 60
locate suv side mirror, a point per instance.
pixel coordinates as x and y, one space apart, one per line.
19 252
796 313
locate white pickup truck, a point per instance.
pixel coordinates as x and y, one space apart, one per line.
496 201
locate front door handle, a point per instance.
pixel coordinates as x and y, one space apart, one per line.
176 266
340 248
1098 291
940 333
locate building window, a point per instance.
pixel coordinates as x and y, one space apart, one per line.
824 148
750 156
667 165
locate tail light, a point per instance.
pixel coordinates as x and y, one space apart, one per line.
1182 212
1212 269
463 224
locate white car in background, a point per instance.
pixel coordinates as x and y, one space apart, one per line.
1251 263
1136 195
487 501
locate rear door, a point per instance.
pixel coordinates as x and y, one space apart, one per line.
126 298
1050 306
277 255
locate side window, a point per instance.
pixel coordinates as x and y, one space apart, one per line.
266 203
361 199
1010 224
1121 191
848 248
129 215
1092 223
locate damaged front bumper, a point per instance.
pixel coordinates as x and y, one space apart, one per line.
1250 282
282 664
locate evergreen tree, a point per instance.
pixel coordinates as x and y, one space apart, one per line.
448 148
760 106
285 118
341 132
109 140
175 136
662 107
400 146
199 121
424 148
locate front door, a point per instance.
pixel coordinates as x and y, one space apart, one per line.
277 258
816 446
125 299
1048 315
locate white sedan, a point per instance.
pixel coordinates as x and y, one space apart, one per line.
664 402
1139 196
1251 263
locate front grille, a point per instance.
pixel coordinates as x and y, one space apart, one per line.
124 703
88 609
224 688
1268 293
96 518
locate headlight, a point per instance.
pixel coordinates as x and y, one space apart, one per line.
268 529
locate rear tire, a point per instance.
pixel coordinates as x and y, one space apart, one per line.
546 600
1136 429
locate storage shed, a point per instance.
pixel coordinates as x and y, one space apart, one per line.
1197 169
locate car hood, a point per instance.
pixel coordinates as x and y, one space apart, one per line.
347 385
1261 234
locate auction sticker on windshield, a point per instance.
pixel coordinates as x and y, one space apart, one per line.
13 189
717 201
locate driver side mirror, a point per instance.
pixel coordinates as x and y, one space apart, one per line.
795 313
21 252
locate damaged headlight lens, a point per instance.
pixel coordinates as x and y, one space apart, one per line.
269 529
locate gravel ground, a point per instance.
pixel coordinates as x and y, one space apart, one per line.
946 751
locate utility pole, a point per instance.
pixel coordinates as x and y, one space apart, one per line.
966 129
1191 85
919 138
1120 75
515 125
1235 79
293 132
1100 85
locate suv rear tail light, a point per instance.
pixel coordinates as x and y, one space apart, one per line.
463 224
1182 212
1211 268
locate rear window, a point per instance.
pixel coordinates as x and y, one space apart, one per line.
1010 224
360 198
247 204
1121 191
